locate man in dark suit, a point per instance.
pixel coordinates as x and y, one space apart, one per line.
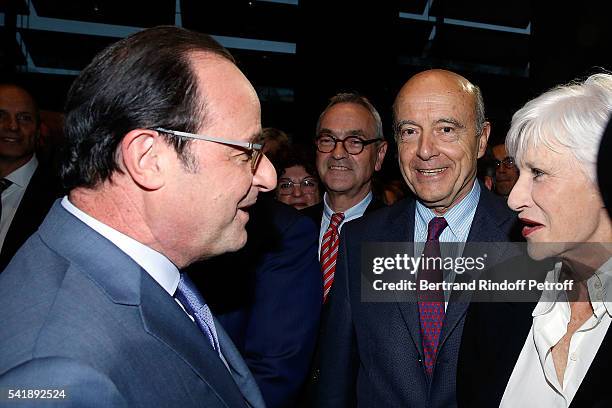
350 148
404 353
28 187
161 169
271 306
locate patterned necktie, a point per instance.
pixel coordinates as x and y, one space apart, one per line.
196 306
4 184
329 252
431 302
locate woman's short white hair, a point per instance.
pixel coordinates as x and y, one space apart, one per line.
573 116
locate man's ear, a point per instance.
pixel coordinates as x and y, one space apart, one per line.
380 155
142 153
483 139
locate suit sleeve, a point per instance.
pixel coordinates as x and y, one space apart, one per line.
284 320
83 386
338 358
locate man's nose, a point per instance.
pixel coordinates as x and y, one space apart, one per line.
426 148
265 175
339 151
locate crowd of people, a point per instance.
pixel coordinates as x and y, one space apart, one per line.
181 255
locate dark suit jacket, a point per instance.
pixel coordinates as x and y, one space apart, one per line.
372 352
39 196
308 395
270 302
493 338
77 313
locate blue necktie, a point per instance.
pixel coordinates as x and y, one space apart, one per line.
196 306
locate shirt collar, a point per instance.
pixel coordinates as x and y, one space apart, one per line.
21 177
600 289
459 217
355 211
599 286
160 268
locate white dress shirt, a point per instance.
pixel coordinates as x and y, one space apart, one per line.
12 196
534 381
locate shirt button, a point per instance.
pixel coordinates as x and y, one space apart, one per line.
598 284
573 357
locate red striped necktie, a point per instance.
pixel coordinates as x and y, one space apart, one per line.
431 302
329 252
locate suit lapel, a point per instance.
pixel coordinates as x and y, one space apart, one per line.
35 203
485 228
163 318
125 283
239 370
401 229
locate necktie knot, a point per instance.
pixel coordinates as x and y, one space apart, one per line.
336 220
4 184
435 228
196 306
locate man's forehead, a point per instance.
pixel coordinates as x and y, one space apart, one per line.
347 119
231 107
436 86
435 106
15 97
343 132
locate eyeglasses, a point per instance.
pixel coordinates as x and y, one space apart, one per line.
352 144
508 162
308 185
254 150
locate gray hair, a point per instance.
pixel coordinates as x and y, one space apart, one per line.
572 116
479 107
358 100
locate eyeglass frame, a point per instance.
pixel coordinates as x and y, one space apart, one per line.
254 149
293 184
508 162
364 143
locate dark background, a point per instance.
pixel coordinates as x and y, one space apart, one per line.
512 49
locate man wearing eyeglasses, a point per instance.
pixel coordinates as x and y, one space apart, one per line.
506 172
350 148
161 168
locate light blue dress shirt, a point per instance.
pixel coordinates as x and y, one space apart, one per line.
355 211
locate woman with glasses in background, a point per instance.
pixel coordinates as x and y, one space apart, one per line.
298 182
